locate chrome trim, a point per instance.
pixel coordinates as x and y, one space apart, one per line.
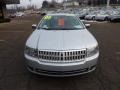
62 56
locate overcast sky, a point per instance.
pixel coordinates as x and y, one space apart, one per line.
34 2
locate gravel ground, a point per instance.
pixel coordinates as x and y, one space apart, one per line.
14 75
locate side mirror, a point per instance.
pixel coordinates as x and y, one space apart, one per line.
87 25
34 26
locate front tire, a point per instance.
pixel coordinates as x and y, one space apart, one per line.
93 18
106 19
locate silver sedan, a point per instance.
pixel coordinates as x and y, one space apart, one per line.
61 46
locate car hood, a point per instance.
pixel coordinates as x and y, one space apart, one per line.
61 40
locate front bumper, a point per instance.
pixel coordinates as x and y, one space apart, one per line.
61 69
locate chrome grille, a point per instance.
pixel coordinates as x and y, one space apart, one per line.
62 55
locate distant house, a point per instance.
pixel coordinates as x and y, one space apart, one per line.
3 12
70 3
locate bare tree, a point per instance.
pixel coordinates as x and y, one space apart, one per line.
30 2
45 4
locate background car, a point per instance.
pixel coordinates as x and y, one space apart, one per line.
115 17
19 14
90 16
12 16
102 16
82 14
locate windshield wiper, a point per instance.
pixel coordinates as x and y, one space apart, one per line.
44 28
60 28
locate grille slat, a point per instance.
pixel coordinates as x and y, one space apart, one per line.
62 56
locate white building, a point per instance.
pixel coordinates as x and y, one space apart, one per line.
70 3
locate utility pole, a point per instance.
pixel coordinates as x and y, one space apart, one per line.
92 3
108 3
30 3
117 1
64 1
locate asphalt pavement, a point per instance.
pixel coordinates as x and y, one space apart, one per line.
15 76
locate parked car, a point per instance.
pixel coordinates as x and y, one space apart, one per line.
12 16
102 16
61 46
38 12
19 14
82 15
115 17
90 16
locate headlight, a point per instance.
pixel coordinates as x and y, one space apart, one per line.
31 52
92 51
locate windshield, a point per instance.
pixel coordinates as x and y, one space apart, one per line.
116 13
61 22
